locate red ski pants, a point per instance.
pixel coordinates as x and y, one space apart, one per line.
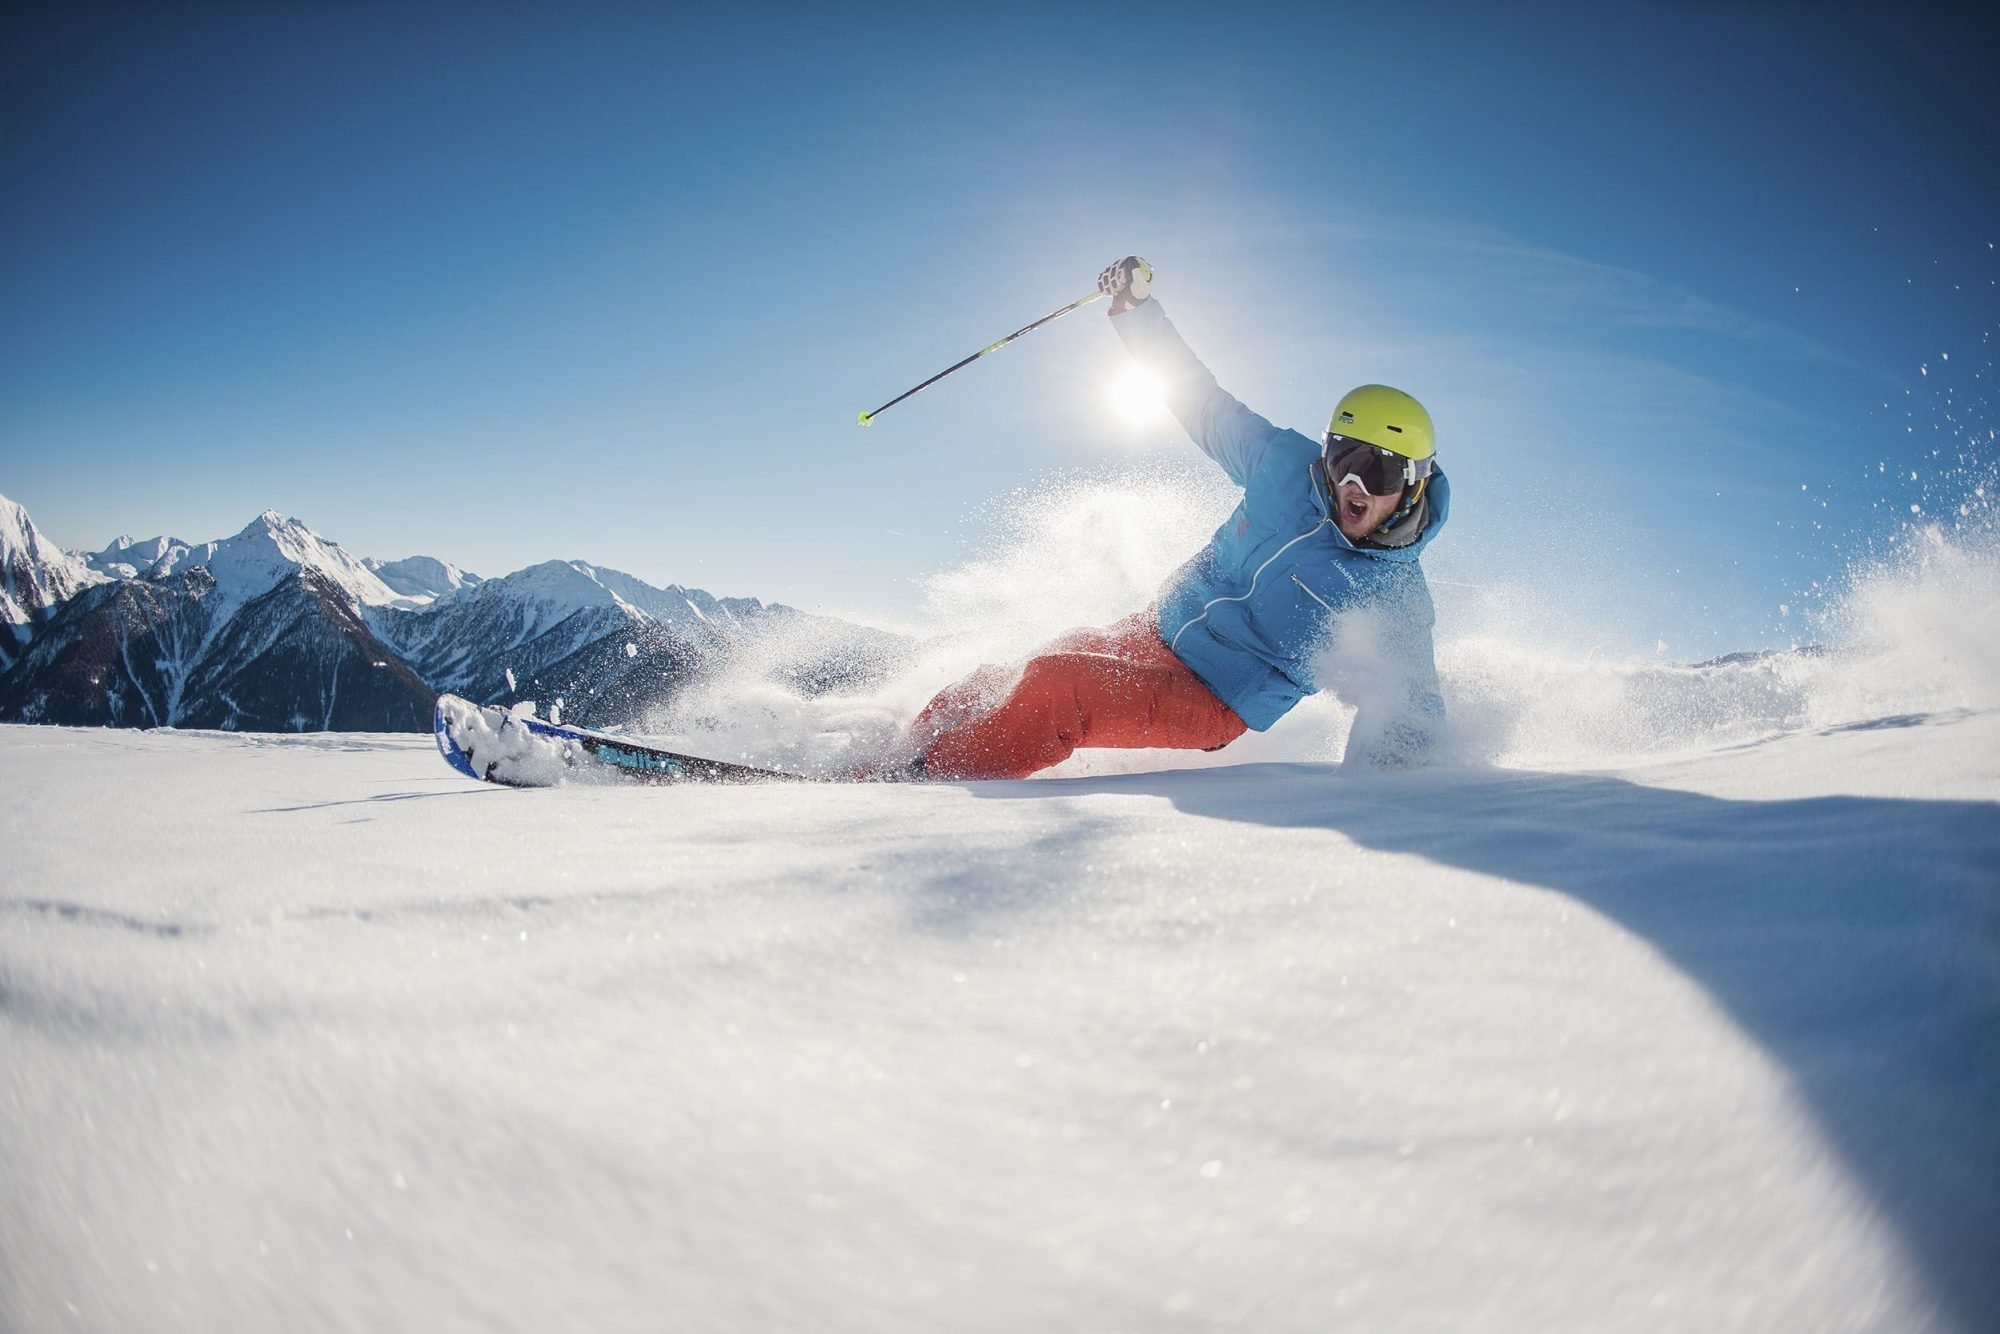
1116 687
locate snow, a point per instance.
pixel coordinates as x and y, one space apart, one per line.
318 1034
543 596
448 624
510 754
1671 1000
421 580
35 575
271 547
674 605
148 558
554 590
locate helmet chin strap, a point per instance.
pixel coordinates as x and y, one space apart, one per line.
1403 511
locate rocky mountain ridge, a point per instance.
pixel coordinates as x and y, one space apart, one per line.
36 578
279 629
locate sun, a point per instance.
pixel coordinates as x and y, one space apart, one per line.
1137 397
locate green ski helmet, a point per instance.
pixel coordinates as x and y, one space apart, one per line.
1386 417
1386 439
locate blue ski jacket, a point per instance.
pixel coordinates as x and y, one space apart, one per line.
1254 611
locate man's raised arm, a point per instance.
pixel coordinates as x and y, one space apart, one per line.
1227 432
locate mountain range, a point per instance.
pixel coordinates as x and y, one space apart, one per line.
278 629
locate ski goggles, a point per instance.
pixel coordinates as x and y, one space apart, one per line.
1381 472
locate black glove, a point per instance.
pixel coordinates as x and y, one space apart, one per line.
1128 283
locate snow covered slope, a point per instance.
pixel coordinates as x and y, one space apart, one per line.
147 558
216 648
600 637
521 623
272 548
317 1035
421 578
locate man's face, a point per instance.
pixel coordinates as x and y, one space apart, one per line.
1357 513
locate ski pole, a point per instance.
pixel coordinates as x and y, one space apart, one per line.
1080 302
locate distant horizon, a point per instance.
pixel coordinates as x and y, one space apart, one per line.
289 518
477 577
284 516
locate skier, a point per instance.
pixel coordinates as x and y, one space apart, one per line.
1316 568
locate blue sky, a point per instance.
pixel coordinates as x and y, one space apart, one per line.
610 281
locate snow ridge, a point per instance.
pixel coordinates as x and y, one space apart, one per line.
272 547
152 558
423 579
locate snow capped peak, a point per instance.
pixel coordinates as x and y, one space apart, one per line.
22 548
450 626
274 526
271 547
675 605
557 586
148 558
422 578
35 576
15 525
541 615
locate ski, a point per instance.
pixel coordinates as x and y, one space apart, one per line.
514 748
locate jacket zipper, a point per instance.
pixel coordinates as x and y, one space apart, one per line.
1314 596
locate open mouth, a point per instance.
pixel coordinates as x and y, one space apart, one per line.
1355 509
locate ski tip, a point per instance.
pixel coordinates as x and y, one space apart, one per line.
447 744
864 419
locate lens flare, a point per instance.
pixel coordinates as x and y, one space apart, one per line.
1137 398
